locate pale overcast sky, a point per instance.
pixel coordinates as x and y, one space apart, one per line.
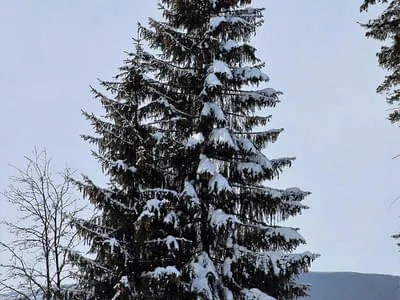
51 51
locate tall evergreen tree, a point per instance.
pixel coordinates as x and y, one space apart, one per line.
386 27
187 213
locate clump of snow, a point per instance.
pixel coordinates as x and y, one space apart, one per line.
212 81
122 284
160 191
201 270
287 233
112 242
171 242
158 136
263 161
229 45
161 272
220 136
250 73
228 294
227 267
215 22
247 145
250 167
206 165
268 92
213 109
121 165
218 66
190 191
219 184
219 218
171 218
194 140
266 96
152 207
255 294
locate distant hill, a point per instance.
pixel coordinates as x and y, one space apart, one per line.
352 286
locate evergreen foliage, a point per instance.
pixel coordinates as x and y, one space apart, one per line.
386 28
186 214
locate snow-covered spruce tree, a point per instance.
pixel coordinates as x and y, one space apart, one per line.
187 213
128 235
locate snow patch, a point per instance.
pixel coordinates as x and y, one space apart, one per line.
112 242
201 270
206 166
190 191
250 167
289 234
255 294
215 22
213 109
218 66
194 140
171 218
212 81
219 218
227 267
161 272
121 165
219 183
158 136
250 73
220 136
229 45
152 208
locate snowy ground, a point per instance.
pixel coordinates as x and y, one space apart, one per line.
353 286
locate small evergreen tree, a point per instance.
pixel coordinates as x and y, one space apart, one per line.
186 213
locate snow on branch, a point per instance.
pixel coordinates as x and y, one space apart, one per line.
213 109
212 81
250 74
220 219
229 45
287 233
222 136
161 272
206 166
194 140
121 165
170 241
152 208
160 191
216 22
203 272
255 294
220 67
262 98
278 261
219 183
190 191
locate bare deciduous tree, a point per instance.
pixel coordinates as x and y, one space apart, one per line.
38 264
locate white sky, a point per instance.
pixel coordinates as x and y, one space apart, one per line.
316 54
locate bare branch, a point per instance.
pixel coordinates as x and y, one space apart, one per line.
43 231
